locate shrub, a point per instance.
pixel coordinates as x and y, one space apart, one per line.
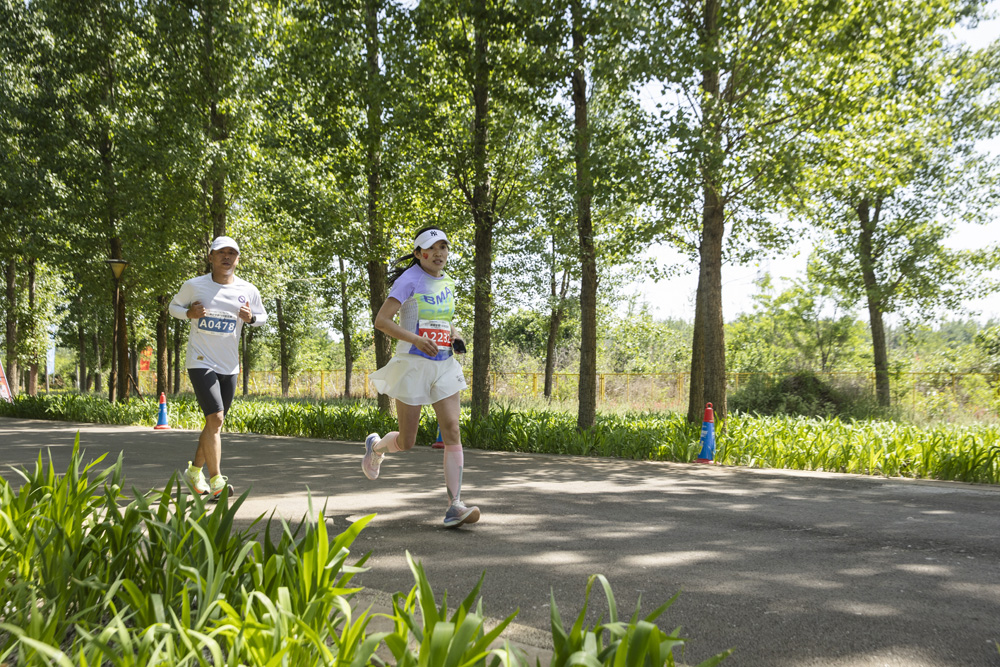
801 393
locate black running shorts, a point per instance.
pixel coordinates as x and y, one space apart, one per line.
214 392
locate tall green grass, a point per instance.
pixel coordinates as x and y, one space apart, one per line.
967 453
165 580
943 451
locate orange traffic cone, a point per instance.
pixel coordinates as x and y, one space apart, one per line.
707 454
439 443
161 420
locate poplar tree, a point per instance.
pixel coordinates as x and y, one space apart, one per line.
742 84
889 182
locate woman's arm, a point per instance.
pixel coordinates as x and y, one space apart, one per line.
386 323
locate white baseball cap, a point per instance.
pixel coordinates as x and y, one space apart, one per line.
428 238
221 242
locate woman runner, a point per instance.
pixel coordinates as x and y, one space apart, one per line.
424 370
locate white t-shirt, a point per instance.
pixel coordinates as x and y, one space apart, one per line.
213 341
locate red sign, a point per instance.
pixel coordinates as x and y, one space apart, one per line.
145 357
5 394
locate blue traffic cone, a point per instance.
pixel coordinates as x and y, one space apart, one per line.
161 421
439 443
707 437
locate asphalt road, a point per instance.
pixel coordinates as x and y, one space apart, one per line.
786 568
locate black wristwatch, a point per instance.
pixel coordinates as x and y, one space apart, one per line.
253 319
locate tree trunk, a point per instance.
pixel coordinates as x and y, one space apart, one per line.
482 216
98 366
282 347
377 292
122 351
378 248
708 351
119 371
178 364
113 371
710 292
482 316
588 257
696 382
82 380
866 254
243 359
881 359
555 321
33 365
133 361
11 333
345 315
171 361
162 346
217 172
217 131
248 358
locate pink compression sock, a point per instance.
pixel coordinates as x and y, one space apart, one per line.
389 443
454 462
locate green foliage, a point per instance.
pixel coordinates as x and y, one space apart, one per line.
939 451
616 643
152 124
890 179
527 332
55 570
638 343
165 580
801 393
35 320
346 421
641 436
959 453
988 341
84 408
801 327
448 641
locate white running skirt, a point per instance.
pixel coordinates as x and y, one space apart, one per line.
415 380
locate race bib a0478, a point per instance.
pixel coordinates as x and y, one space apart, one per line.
217 323
438 331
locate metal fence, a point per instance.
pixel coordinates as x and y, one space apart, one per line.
641 390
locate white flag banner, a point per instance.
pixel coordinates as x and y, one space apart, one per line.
5 394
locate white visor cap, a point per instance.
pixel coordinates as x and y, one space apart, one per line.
221 242
429 238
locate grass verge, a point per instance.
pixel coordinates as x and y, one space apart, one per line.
966 453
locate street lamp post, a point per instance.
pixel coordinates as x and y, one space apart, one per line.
117 267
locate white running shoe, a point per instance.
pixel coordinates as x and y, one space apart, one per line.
370 464
459 514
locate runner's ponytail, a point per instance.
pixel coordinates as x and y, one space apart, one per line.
400 266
